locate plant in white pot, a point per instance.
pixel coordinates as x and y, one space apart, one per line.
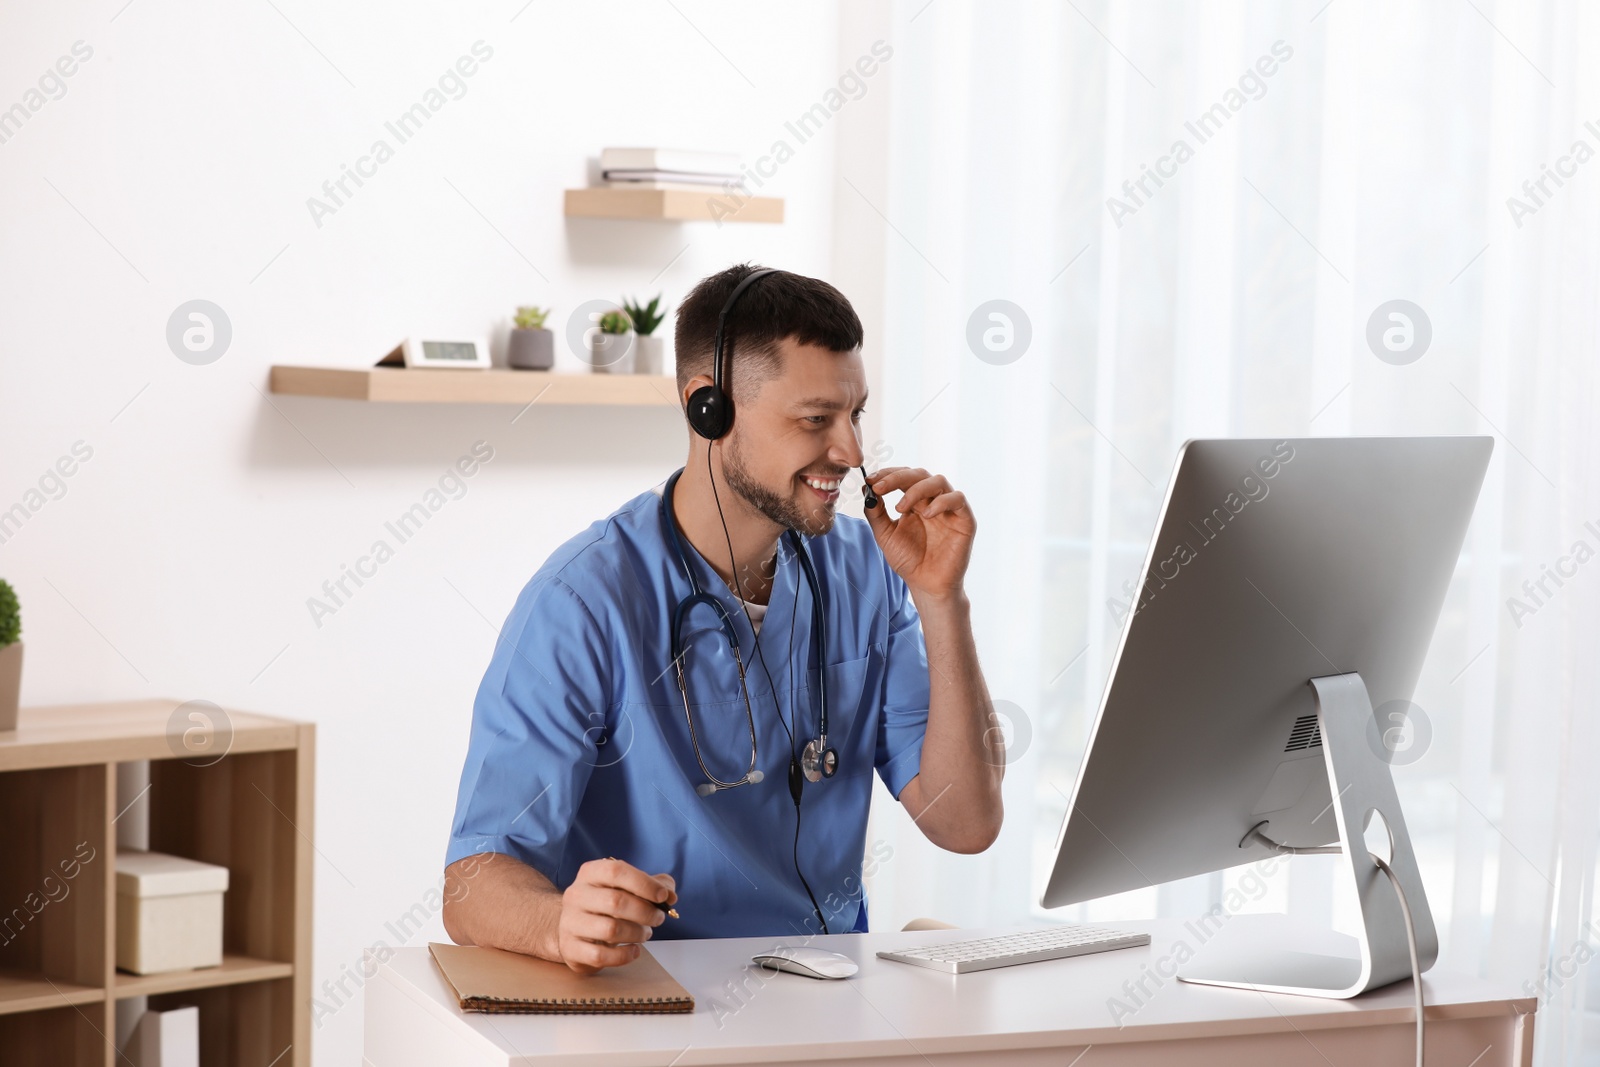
647 347
532 346
611 346
10 656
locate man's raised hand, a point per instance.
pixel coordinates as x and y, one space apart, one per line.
930 544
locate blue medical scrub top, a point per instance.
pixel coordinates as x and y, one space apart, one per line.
580 748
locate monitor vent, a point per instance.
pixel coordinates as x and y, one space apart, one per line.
1306 734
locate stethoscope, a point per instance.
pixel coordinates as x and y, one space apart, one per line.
819 759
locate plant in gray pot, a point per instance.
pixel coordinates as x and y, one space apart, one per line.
647 347
611 346
10 656
532 346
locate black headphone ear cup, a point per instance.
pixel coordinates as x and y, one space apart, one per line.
710 413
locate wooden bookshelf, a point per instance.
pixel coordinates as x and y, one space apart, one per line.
248 808
434 385
671 205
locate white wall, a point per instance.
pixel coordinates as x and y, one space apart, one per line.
176 166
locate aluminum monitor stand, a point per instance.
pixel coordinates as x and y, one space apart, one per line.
1361 784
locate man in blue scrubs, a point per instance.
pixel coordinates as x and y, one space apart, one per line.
589 804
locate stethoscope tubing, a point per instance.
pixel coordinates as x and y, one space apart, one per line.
819 754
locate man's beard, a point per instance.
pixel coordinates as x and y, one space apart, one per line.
781 510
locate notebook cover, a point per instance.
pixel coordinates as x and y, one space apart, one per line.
493 980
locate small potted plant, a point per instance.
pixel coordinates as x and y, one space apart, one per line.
10 656
532 346
647 347
611 346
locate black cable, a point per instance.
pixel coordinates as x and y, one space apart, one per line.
814 909
795 780
794 613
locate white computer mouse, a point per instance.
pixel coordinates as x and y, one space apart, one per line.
811 962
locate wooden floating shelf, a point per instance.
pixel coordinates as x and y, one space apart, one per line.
235 970
671 205
434 385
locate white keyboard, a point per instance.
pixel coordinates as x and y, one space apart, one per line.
1029 946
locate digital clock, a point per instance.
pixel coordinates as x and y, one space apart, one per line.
438 352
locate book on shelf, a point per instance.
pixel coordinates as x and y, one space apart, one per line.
678 160
684 177
719 188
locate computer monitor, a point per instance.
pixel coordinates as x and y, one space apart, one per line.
1291 587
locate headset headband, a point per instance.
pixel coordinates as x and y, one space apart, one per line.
722 322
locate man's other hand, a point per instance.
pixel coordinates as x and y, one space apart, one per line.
608 911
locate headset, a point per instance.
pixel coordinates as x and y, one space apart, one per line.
710 410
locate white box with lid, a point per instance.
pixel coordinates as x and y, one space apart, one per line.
169 912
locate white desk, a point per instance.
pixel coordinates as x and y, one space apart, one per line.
893 1014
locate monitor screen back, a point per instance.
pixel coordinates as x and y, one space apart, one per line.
1274 562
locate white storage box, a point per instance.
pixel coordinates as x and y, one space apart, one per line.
165 1039
169 912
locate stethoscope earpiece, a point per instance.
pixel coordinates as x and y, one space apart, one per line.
705 789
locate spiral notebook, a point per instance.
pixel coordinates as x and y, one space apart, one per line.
492 980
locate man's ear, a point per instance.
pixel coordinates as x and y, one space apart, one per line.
695 384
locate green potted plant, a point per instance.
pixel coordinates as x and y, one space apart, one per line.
611 346
532 346
10 656
647 347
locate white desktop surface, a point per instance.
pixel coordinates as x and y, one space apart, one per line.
892 1013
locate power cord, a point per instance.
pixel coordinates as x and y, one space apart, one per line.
1411 942
1400 895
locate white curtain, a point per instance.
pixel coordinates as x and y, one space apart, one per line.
1377 161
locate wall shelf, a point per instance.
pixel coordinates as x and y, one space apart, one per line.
670 205
432 385
248 809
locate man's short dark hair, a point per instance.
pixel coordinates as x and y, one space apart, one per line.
779 306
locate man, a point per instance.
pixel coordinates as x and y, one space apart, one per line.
589 766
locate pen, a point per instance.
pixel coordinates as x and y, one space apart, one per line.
672 913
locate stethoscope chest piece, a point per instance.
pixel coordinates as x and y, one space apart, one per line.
819 760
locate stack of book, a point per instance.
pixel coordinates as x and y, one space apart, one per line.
669 168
